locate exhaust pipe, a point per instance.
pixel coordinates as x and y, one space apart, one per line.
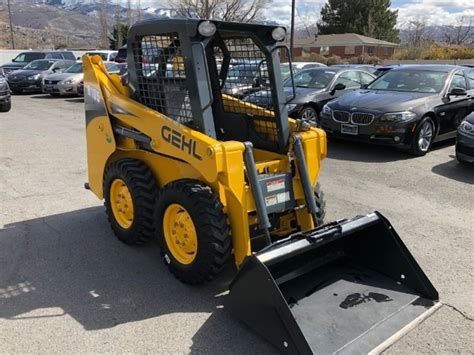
344 287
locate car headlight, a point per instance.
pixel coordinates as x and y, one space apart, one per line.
327 110
398 116
34 77
466 127
67 82
291 107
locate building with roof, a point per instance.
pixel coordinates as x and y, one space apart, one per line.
345 45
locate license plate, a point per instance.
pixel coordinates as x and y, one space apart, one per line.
350 129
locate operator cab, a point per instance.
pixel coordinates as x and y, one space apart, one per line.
199 74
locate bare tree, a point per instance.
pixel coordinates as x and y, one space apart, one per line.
462 33
224 10
418 34
118 23
138 10
104 30
129 13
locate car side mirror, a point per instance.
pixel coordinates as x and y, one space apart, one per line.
457 92
337 87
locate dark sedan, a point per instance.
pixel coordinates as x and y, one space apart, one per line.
465 140
5 99
313 89
409 107
31 76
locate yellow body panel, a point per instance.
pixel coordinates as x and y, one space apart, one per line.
181 152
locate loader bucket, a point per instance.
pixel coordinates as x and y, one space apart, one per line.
341 288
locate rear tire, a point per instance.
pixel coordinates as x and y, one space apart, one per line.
320 203
130 192
423 137
192 230
5 107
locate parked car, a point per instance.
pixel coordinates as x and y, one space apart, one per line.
30 78
307 65
370 68
465 140
67 82
24 58
409 107
121 56
107 56
314 88
243 79
382 70
64 83
5 99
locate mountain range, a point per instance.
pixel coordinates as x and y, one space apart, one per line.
75 23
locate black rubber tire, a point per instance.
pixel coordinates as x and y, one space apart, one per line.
214 243
311 110
5 107
17 91
415 149
320 203
144 191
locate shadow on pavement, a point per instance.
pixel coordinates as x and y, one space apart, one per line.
456 171
45 97
79 100
73 261
370 153
363 152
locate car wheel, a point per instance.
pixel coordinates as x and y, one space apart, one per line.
5 107
423 137
308 113
17 91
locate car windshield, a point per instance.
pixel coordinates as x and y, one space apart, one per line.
285 71
28 57
424 81
114 68
312 78
39 65
75 69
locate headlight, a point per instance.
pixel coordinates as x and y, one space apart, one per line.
34 77
67 82
466 127
398 116
327 110
207 28
291 107
279 34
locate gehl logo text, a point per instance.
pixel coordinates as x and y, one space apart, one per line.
179 141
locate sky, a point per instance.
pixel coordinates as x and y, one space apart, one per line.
434 12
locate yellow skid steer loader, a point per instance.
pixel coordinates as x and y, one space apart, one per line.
177 152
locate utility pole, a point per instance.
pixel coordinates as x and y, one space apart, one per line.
11 24
292 36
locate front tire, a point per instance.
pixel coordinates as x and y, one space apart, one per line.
130 192
192 230
423 137
5 107
308 113
321 204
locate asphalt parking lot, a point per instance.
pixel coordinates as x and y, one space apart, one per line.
67 285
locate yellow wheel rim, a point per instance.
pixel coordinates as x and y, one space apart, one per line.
180 234
121 203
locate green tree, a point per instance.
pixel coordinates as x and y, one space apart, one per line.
372 18
118 37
